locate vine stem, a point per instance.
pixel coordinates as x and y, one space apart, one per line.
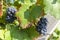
1 7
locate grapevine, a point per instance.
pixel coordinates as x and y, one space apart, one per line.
26 18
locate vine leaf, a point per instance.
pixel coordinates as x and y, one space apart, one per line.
21 13
10 1
54 1
2 34
13 33
53 9
27 14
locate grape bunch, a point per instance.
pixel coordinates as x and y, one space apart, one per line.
10 15
41 26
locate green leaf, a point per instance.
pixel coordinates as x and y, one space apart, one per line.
2 34
35 12
54 1
7 35
30 2
55 34
13 33
26 14
53 9
7 32
10 1
21 15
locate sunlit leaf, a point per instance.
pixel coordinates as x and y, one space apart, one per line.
55 34
53 9
2 34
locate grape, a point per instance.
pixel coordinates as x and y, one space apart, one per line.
41 26
10 17
9 9
43 32
45 29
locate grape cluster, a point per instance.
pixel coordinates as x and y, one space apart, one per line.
41 26
10 16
